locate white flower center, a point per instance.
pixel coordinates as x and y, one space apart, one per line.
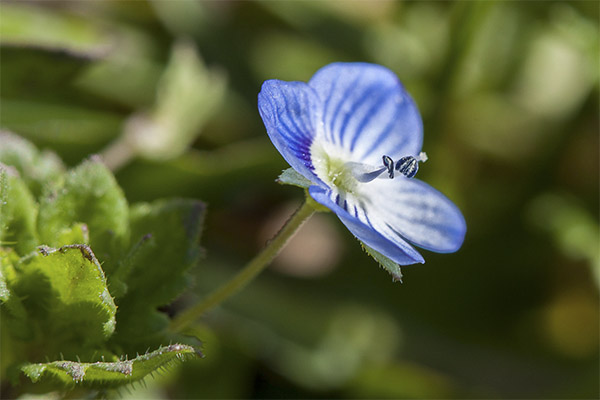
332 167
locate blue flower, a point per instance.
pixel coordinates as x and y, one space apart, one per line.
348 130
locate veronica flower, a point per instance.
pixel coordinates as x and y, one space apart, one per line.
355 135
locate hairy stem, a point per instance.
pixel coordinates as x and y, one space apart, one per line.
249 272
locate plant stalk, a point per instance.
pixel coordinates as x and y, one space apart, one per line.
249 272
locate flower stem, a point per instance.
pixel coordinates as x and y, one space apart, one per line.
250 271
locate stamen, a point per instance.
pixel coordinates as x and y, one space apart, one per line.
407 166
363 172
389 164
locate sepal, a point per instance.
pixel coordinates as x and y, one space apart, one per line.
384 262
291 177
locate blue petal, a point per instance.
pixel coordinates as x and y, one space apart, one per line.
291 112
367 111
391 246
417 212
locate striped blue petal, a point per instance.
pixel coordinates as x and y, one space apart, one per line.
368 231
291 112
367 112
417 212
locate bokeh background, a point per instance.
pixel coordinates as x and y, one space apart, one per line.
166 92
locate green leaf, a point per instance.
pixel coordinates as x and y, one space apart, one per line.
13 314
291 177
8 276
64 291
384 262
36 168
166 234
69 129
49 28
88 195
188 94
174 227
18 212
109 374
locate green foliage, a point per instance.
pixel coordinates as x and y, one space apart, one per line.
87 194
65 296
66 267
154 272
36 168
188 93
291 177
108 374
384 262
17 211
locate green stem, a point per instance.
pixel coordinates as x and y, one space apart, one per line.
250 271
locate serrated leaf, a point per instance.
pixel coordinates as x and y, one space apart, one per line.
291 177
36 168
174 228
109 374
385 263
64 291
168 233
88 195
18 212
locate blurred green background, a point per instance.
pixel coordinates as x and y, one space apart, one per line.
166 92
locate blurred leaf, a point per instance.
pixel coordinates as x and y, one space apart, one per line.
64 291
26 25
128 75
36 168
561 66
413 47
401 380
124 77
187 95
40 73
68 129
88 194
183 17
289 57
573 228
109 374
18 213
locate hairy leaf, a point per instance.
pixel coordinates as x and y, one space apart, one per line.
8 276
36 168
18 212
174 228
64 291
107 374
166 234
90 195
